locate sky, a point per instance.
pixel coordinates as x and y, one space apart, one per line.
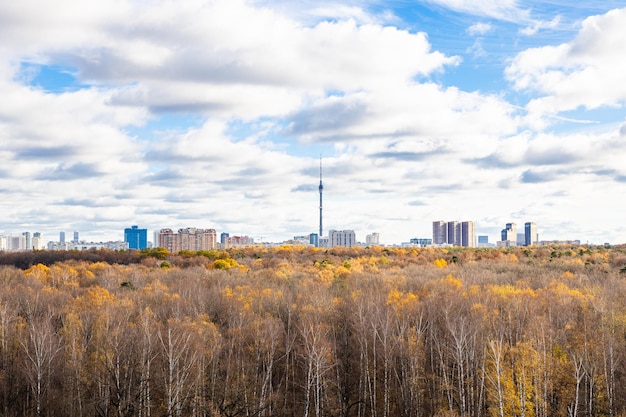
215 114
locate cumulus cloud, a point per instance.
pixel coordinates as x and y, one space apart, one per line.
585 72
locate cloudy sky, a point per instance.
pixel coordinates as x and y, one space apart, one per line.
214 114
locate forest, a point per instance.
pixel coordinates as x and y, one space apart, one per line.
294 331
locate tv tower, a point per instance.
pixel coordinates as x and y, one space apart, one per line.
321 188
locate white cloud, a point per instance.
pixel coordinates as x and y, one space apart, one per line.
586 72
508 10
479 28
537 25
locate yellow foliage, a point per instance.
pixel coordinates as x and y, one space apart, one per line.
511 257
440 263
453 282
40 272
98 296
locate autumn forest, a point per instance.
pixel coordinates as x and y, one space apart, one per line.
293 331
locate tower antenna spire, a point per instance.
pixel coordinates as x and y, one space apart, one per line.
321 188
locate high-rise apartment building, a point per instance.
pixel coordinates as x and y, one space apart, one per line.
468 234
136 238
531 236
191 239
224 238
454 233
27 241
314 239
62 237
76 237
341 238
372 239
37 242
440 232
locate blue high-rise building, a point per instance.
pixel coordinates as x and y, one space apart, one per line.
137 238
224 237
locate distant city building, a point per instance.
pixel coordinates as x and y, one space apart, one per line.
37 242
137 238
468 234
508 235
223 238
301 240
372 239
62 237
314 239
531 235
323 242
483 242
421 242
234 241
341 238
558 242
440 232
520 241
454 233
27 241
190 238
82 245
76 237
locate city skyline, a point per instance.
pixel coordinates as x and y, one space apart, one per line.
219 114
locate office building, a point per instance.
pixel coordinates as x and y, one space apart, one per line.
224 237
137 238
191 239
509 234
314 239
345 238
440 232
62 237
531 236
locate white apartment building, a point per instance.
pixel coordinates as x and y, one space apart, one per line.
341 238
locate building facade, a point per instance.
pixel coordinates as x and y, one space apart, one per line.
454 233
440 232
468 234
137 238
345 238
509 234
190 238
372 239
531 236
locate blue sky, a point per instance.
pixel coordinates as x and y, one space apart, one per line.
215 113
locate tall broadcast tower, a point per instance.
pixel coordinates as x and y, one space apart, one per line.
321 187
